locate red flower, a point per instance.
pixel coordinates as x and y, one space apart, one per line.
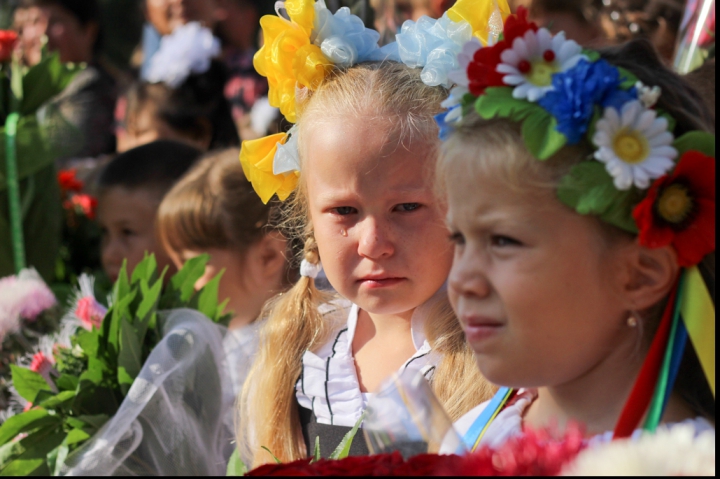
534 453
82 204
68 181
8 39
679 209
482 70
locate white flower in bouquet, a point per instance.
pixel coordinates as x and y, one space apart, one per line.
188 49
673 451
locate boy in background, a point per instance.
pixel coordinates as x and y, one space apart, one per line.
131 188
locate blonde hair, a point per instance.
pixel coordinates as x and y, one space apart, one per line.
213 206
268 411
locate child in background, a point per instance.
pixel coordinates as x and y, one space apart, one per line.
565 269
359 165
180 97
213 209
130 190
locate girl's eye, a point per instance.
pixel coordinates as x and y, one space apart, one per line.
503 241
127 232
406 207
344 210
457 238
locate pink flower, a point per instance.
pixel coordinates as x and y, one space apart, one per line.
84 306
90 312
23 296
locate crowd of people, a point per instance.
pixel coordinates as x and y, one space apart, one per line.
330 223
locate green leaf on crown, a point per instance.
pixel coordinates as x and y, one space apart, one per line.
695 140
589 190
627 79
539 128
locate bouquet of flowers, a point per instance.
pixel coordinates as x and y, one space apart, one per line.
90 387
675 451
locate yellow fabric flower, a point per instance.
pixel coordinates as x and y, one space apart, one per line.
256 158
477 14
287 56
302 12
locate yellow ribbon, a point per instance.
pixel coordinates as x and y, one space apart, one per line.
287 58
256 158
477 14
698 313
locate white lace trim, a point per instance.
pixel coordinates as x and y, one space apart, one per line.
329 384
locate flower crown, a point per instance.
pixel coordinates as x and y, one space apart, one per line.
561 94
300 51
188 49
640 178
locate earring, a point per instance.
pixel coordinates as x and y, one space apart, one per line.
632 320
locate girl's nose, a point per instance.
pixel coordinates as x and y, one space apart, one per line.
467 276
375 240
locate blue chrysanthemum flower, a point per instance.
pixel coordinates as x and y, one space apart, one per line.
576 92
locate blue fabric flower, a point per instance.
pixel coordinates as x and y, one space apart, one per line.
446 128
576 92
433 45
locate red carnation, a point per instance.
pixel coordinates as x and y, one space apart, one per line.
482 70
679 209
8 39
68 181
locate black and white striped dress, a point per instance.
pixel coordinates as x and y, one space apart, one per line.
328 391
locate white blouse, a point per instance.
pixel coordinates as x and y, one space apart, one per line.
329 384
241 345
508 423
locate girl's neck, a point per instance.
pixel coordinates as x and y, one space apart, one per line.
381 345
594 399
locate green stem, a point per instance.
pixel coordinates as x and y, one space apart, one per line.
13 189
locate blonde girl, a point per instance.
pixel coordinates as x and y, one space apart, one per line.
582 210
365 207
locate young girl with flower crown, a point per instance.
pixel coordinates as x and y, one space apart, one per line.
359 164
581 200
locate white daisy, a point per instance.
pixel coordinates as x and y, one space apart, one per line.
635 145
459 76
533 59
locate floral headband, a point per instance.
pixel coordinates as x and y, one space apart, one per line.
641 178
305 42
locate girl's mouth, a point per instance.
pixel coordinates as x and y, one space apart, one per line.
374 282
478 328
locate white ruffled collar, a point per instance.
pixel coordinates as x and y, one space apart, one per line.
329 385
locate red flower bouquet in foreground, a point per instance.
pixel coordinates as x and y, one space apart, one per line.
535 453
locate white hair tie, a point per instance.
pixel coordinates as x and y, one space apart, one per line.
310 270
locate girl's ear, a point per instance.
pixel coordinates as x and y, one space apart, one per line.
271 253
652 274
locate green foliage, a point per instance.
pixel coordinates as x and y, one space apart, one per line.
343 449
45 80
236 467
696 140
97 372
539 128
589 190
